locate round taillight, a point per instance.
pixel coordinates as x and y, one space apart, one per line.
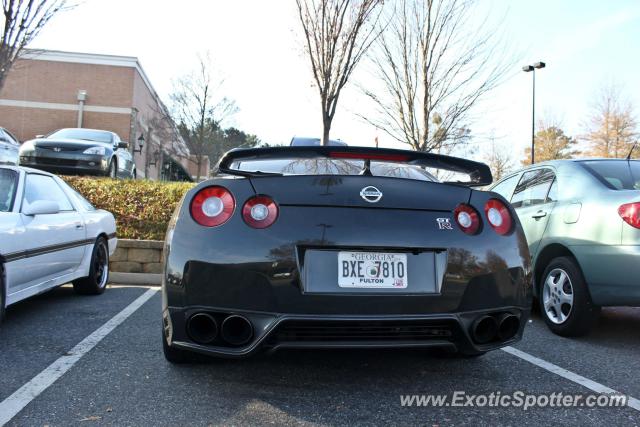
260 211
498 216
212 206
467 218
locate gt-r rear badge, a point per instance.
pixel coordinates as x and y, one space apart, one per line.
444 224
371 194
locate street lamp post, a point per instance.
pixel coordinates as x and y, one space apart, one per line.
140 144
526 69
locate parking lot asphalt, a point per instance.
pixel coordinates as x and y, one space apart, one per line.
124 379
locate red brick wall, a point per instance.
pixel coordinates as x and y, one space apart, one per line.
26 123
59 82
54 82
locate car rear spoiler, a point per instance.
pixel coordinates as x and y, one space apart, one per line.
479 173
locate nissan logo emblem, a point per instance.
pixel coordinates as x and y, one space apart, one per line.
371 194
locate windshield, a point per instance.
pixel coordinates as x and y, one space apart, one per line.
8 184
85 134
333 167
615 174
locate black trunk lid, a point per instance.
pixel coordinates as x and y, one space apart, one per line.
345 191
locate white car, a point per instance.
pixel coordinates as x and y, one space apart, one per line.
50 235
9 147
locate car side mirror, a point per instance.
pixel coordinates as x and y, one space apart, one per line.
39 136
4 138
122 144
41 207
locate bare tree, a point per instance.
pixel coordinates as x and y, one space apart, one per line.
337 33
433 62
21 21
198 108
499 160
612 127
163 132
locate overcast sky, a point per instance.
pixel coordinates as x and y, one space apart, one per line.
253 42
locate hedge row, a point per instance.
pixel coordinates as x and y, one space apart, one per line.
142 208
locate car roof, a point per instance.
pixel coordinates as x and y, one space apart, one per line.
25 169
87 129
562 162
578 160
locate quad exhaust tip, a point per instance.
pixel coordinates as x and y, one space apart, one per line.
236 330
484 329
495 328
202 328
508 327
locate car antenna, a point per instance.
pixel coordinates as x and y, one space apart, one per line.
631 151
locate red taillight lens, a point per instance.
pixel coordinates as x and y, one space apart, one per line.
498 216
630 213
212 206
260 211
467 218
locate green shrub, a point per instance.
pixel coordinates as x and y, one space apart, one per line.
142 208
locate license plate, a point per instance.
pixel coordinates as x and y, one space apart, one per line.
372 270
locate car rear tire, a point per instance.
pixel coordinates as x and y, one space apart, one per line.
564 299
96 282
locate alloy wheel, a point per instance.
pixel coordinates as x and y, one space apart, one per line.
101 266
557 296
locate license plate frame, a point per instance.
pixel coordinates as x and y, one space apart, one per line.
372 270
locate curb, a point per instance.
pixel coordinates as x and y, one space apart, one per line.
135 278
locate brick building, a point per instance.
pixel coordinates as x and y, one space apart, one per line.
49 90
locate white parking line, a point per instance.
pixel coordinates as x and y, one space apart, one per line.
13 404
571 376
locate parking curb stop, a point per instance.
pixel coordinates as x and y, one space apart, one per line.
135 278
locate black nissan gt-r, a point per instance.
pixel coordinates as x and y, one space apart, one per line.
342 247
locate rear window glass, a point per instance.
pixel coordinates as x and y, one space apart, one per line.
8 184
615 174
333 167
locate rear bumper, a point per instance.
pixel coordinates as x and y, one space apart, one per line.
276 331
611 273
